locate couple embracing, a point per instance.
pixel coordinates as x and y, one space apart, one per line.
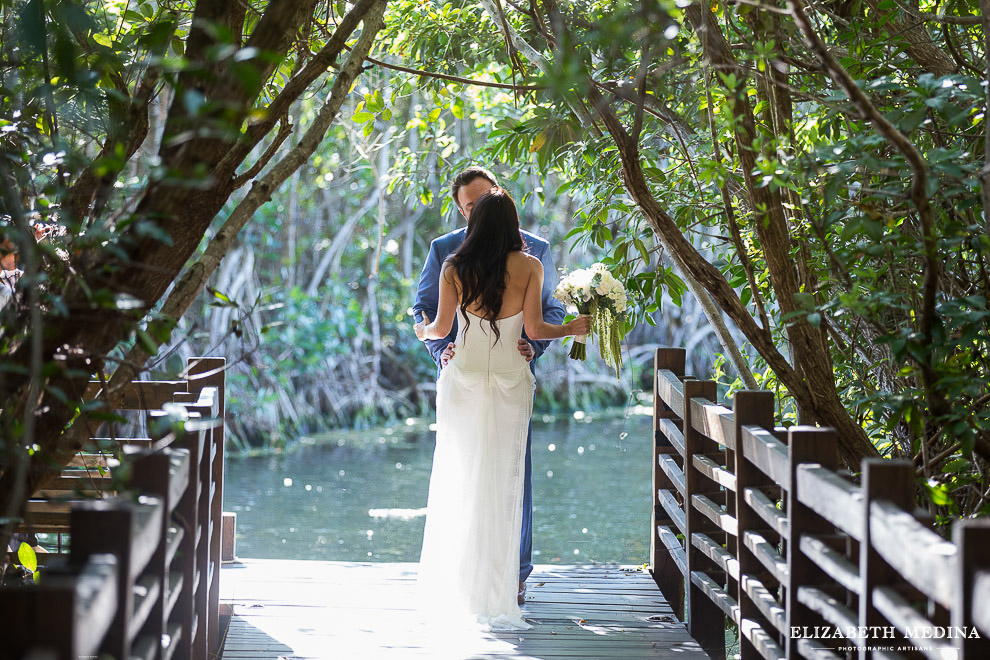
485 308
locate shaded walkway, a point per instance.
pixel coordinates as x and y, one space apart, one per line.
309 609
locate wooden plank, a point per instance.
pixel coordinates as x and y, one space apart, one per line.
96 602
674 547
833 563
114 445
830 609
672 470
175 640
673 434
931 563
833 498
972 604
671 391
752 409
805 445
768 556
883 480
722 558
766 452
715 513
981 602
673 508
713 421
760 640
147 591
90 460
379 618
715 472
142 394
766 602
899 612
767 510
716 595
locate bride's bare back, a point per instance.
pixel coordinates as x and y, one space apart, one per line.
520 270
523 293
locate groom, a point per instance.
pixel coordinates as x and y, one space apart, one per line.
466 188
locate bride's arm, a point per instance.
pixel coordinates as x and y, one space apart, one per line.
536 327
446 307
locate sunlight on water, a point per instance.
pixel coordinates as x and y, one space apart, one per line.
362 497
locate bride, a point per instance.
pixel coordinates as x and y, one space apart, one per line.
470 560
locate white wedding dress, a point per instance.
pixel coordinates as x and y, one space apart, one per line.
469 567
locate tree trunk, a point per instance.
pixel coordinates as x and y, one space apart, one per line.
149 266
819 398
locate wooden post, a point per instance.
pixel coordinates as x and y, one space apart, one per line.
150 475
103 526
705 619
211 372
806 444
665 571
187 514
228 537
750 408
972 538
882 480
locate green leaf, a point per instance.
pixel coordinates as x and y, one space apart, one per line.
220 295
938 493
804 300
642 249
27 557
147 342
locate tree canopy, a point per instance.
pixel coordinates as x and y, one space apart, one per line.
814 175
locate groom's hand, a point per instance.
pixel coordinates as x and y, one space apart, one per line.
526 350
447 354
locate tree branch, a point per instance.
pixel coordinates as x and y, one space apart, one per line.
284 131
533 56
456 79
297 84
194 279
919 196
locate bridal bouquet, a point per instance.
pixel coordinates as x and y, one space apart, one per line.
595 292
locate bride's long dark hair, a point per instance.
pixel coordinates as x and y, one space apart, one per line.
480 261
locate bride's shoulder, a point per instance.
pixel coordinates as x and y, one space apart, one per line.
524 260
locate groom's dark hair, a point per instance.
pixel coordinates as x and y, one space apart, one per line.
466 176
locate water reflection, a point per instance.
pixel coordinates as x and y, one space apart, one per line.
363 498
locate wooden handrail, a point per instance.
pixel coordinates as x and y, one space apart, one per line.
758 525
160 535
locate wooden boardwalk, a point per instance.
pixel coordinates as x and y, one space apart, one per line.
310 609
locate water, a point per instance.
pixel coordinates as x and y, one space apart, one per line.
361 497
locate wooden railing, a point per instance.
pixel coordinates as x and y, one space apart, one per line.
142 580
756 524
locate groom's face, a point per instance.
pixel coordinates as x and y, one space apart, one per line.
469 193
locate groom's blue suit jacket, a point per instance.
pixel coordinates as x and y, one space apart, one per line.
428 294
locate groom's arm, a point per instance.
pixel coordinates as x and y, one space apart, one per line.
427 298
553 311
